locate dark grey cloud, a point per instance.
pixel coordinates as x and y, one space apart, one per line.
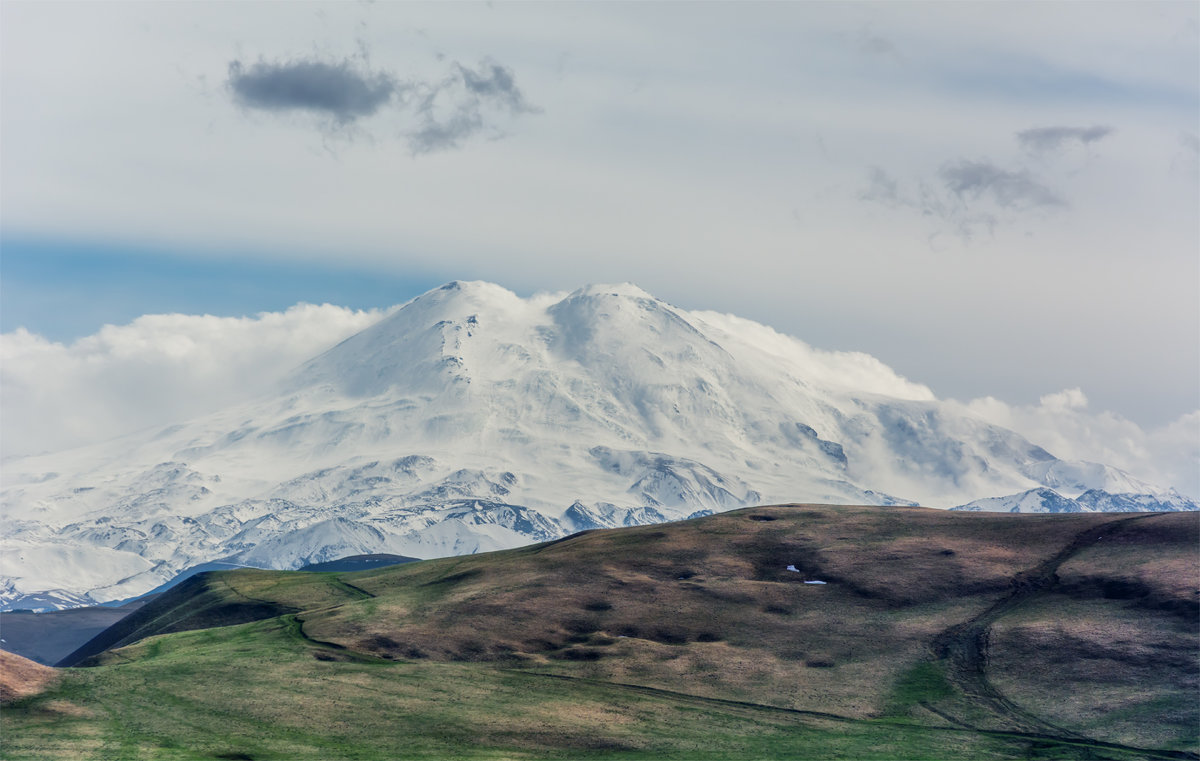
446 112
1008 189
338 90
1051 139
496 83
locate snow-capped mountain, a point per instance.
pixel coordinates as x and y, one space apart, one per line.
471 419
1043 500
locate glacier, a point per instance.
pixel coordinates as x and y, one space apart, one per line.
471 419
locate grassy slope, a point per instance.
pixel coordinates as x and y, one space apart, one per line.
256 691
220 598
1122 631
690 640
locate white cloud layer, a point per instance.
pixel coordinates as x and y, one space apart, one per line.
163 369
1064 424
158 369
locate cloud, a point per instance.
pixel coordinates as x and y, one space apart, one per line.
967 196
882 188
876 45
975 195
1008 189
1067 400
158 369
495 82
755 343
1065 424
446 112
1052 139
334 89
1186 160
452 110
1190 142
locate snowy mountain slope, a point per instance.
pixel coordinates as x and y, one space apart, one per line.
1043 500
1040 500
471 419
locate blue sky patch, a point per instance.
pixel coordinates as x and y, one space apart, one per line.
65 290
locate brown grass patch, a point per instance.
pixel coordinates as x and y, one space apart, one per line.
22 678
67 708
649 605
1120 673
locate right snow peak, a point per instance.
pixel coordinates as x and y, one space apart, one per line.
1043 500
472 419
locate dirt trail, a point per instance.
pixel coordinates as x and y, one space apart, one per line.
683 697
964 646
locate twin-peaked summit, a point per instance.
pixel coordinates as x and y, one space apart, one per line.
472 419
468 331
474 366
609 362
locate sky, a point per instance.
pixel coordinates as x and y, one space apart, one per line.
998 200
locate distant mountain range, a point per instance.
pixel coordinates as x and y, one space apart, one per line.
471 419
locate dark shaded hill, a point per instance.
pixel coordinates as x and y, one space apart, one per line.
64 637
358 563
49 637
217 598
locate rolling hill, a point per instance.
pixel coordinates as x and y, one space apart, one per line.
794 631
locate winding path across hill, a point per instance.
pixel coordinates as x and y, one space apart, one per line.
963 647
1067 739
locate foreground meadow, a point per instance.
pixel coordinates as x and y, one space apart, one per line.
934 635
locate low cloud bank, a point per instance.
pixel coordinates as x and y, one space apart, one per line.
163 369
158 369
1065 425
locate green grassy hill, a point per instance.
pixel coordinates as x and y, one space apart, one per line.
935 635
219 598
